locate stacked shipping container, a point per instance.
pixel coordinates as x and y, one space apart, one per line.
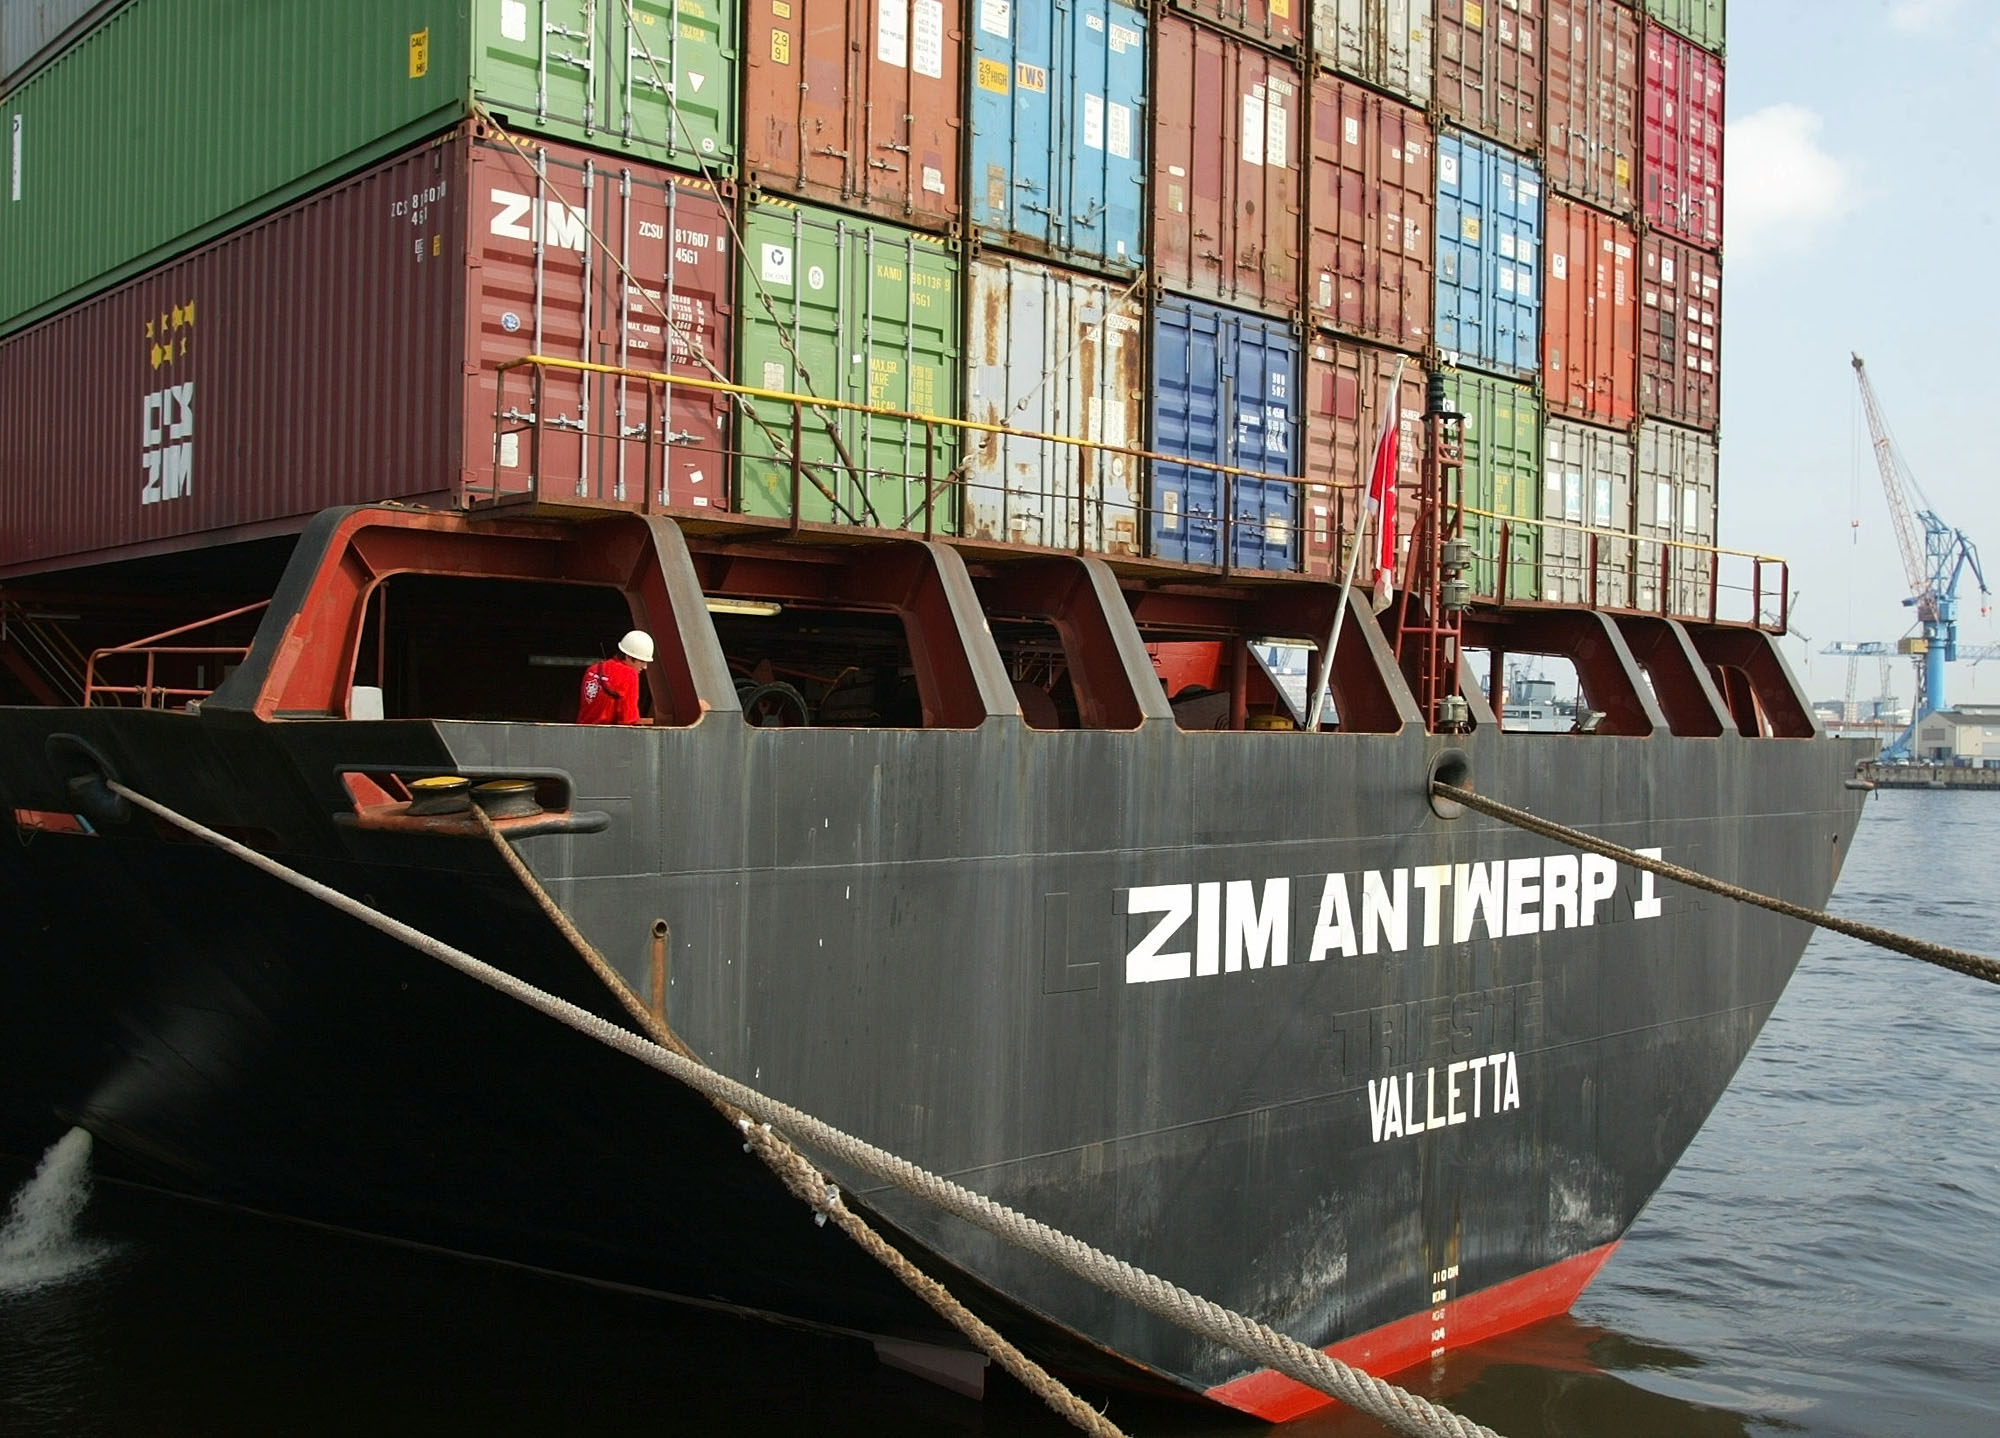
1102 220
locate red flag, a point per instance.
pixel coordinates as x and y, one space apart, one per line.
1382 504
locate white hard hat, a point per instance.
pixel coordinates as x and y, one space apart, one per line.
637 644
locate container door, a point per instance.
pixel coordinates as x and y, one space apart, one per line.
865 313
1682 103
1189 404
1680 297
1346 389
1264 529
1370 207
670 71
1013 146
1489 68
1489 250
1503 480
1103 154
534 61
1060 354
1383 43
1591 75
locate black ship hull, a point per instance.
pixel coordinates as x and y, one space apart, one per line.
1245 1008
928 939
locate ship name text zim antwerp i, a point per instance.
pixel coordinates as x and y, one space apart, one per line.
1085 474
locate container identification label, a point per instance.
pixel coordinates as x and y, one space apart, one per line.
927 39
17 157
892 33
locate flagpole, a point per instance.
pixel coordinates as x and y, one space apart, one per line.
1391 412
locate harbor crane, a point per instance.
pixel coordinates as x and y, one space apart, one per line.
1933 567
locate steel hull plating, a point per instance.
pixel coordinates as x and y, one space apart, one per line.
928 939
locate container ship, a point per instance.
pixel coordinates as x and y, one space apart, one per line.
1086 471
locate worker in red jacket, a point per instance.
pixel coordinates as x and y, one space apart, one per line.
611 686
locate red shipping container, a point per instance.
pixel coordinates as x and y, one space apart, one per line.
1277 23
1591 101
856 103
1370 210
1680 333
1590 362
1347 384
1682 140
346 350
1487 68
1225 169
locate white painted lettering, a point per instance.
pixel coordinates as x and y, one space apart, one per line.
149 421
1523 891
1207 928
1253 932
1432 1118
1477 890
1559 889
1385 911
1646 906
1513 1083
1146 964
1600 882
1473 1066
563 226
1334 929
1453 1114
1431 880
1497 1062
1382 1110
513 208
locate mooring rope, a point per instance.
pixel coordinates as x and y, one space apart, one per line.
1964 962
1404 1411
806 1182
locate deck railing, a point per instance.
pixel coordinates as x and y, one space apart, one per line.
701 449
150 690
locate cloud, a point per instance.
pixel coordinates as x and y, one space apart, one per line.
1920 16
1782 188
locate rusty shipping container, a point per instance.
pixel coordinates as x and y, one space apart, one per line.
1279 24
1587 506
1487 73
1590 101
1347 386
1590 361
345 349
1370 209
1226 166
1061 353
1681 105
1384 43
1680 333
1675 512
857 104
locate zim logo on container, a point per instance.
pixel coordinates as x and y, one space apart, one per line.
558 225
166 414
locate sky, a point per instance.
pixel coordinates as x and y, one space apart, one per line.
1861 212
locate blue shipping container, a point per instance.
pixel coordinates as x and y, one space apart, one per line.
1489 256
1059 127
1225 390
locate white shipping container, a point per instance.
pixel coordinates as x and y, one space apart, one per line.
1384 43
1587 506
1675 498
1058 353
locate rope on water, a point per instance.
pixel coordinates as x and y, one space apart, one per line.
1404 1411
807 1183
1960 960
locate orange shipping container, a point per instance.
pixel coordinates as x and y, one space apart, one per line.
855 103
1226 173
1680 309
1590 365
1346 386
1591 101
1370 209
1488 68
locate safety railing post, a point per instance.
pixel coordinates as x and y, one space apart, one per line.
499 409
1714 583
798 477
538 392
1590 550
646 489
1227 490
930 475
1505 581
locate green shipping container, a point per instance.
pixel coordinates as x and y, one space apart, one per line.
1502 478
1700 20
176 121
865 312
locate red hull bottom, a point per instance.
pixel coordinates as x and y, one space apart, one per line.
1409 1341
